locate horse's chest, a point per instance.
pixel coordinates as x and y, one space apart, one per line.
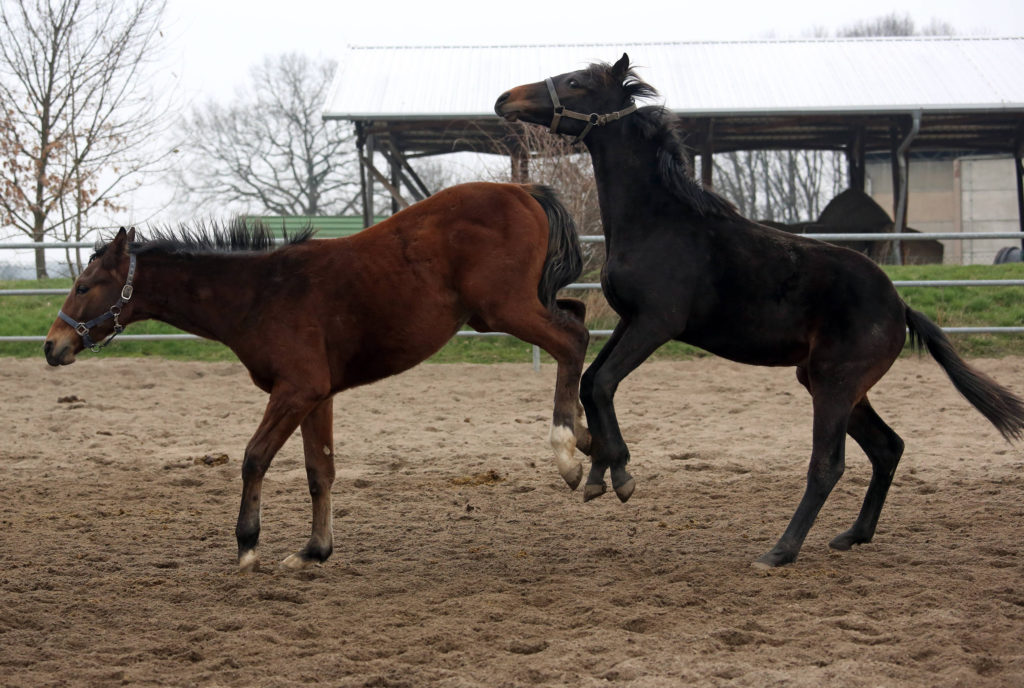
622 280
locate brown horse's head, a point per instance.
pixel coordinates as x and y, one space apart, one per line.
573 102
92 310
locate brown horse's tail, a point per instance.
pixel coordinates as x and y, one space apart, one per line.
1001 406
564 261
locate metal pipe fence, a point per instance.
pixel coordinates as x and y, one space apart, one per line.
584 286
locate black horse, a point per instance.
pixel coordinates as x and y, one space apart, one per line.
683 264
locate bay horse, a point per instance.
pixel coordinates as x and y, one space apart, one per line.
314 317
683 264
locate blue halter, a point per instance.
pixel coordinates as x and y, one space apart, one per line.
83 328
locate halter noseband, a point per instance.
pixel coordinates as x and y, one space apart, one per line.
83 328
592 120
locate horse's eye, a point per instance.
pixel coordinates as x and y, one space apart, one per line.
81 289
573 83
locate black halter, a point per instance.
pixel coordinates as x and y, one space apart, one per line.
83 329
592 120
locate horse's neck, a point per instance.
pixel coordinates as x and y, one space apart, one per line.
200 295
625 171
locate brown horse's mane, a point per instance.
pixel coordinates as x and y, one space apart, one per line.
238 235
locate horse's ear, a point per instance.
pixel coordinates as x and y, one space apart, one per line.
117 247
131 235
620 68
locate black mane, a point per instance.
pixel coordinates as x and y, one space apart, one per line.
239 235
662 128
659 126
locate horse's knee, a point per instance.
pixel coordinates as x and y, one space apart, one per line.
822 478
596 390
255 463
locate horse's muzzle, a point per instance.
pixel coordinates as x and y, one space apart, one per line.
58 356
499 107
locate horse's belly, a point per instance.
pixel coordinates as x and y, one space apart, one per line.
765 350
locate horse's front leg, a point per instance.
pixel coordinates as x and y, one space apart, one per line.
284 412
628 347
318 444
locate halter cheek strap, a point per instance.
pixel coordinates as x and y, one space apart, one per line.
592 120
83 328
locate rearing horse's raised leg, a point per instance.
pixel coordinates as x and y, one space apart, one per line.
560 332
284 412
628 347
318 445
577 309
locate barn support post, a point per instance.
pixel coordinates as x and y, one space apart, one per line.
856 174
364 142
1018 166
520 160
396 181
374 174
406 173
706 154
901 183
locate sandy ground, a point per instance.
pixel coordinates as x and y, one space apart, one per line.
462 560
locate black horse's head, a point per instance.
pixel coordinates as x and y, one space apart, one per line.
574 102
92 310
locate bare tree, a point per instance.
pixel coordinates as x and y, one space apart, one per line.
895 25
77 120
270 150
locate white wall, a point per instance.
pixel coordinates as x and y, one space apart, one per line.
969 194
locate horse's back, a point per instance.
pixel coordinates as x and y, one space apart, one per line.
764 296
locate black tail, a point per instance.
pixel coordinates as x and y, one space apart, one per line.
564 261
1001 406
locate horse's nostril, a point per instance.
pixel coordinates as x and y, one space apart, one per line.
48 348
503 97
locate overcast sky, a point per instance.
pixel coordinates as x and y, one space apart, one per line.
211 44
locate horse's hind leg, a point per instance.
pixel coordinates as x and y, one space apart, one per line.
831 412
884 448
560 332
318 445
578 310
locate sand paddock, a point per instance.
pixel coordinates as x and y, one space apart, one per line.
462 559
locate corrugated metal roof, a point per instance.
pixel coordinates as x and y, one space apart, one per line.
877 75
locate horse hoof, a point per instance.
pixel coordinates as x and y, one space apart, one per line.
248 562
625 490
773 559
573 478
296 562
845 541
593 491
